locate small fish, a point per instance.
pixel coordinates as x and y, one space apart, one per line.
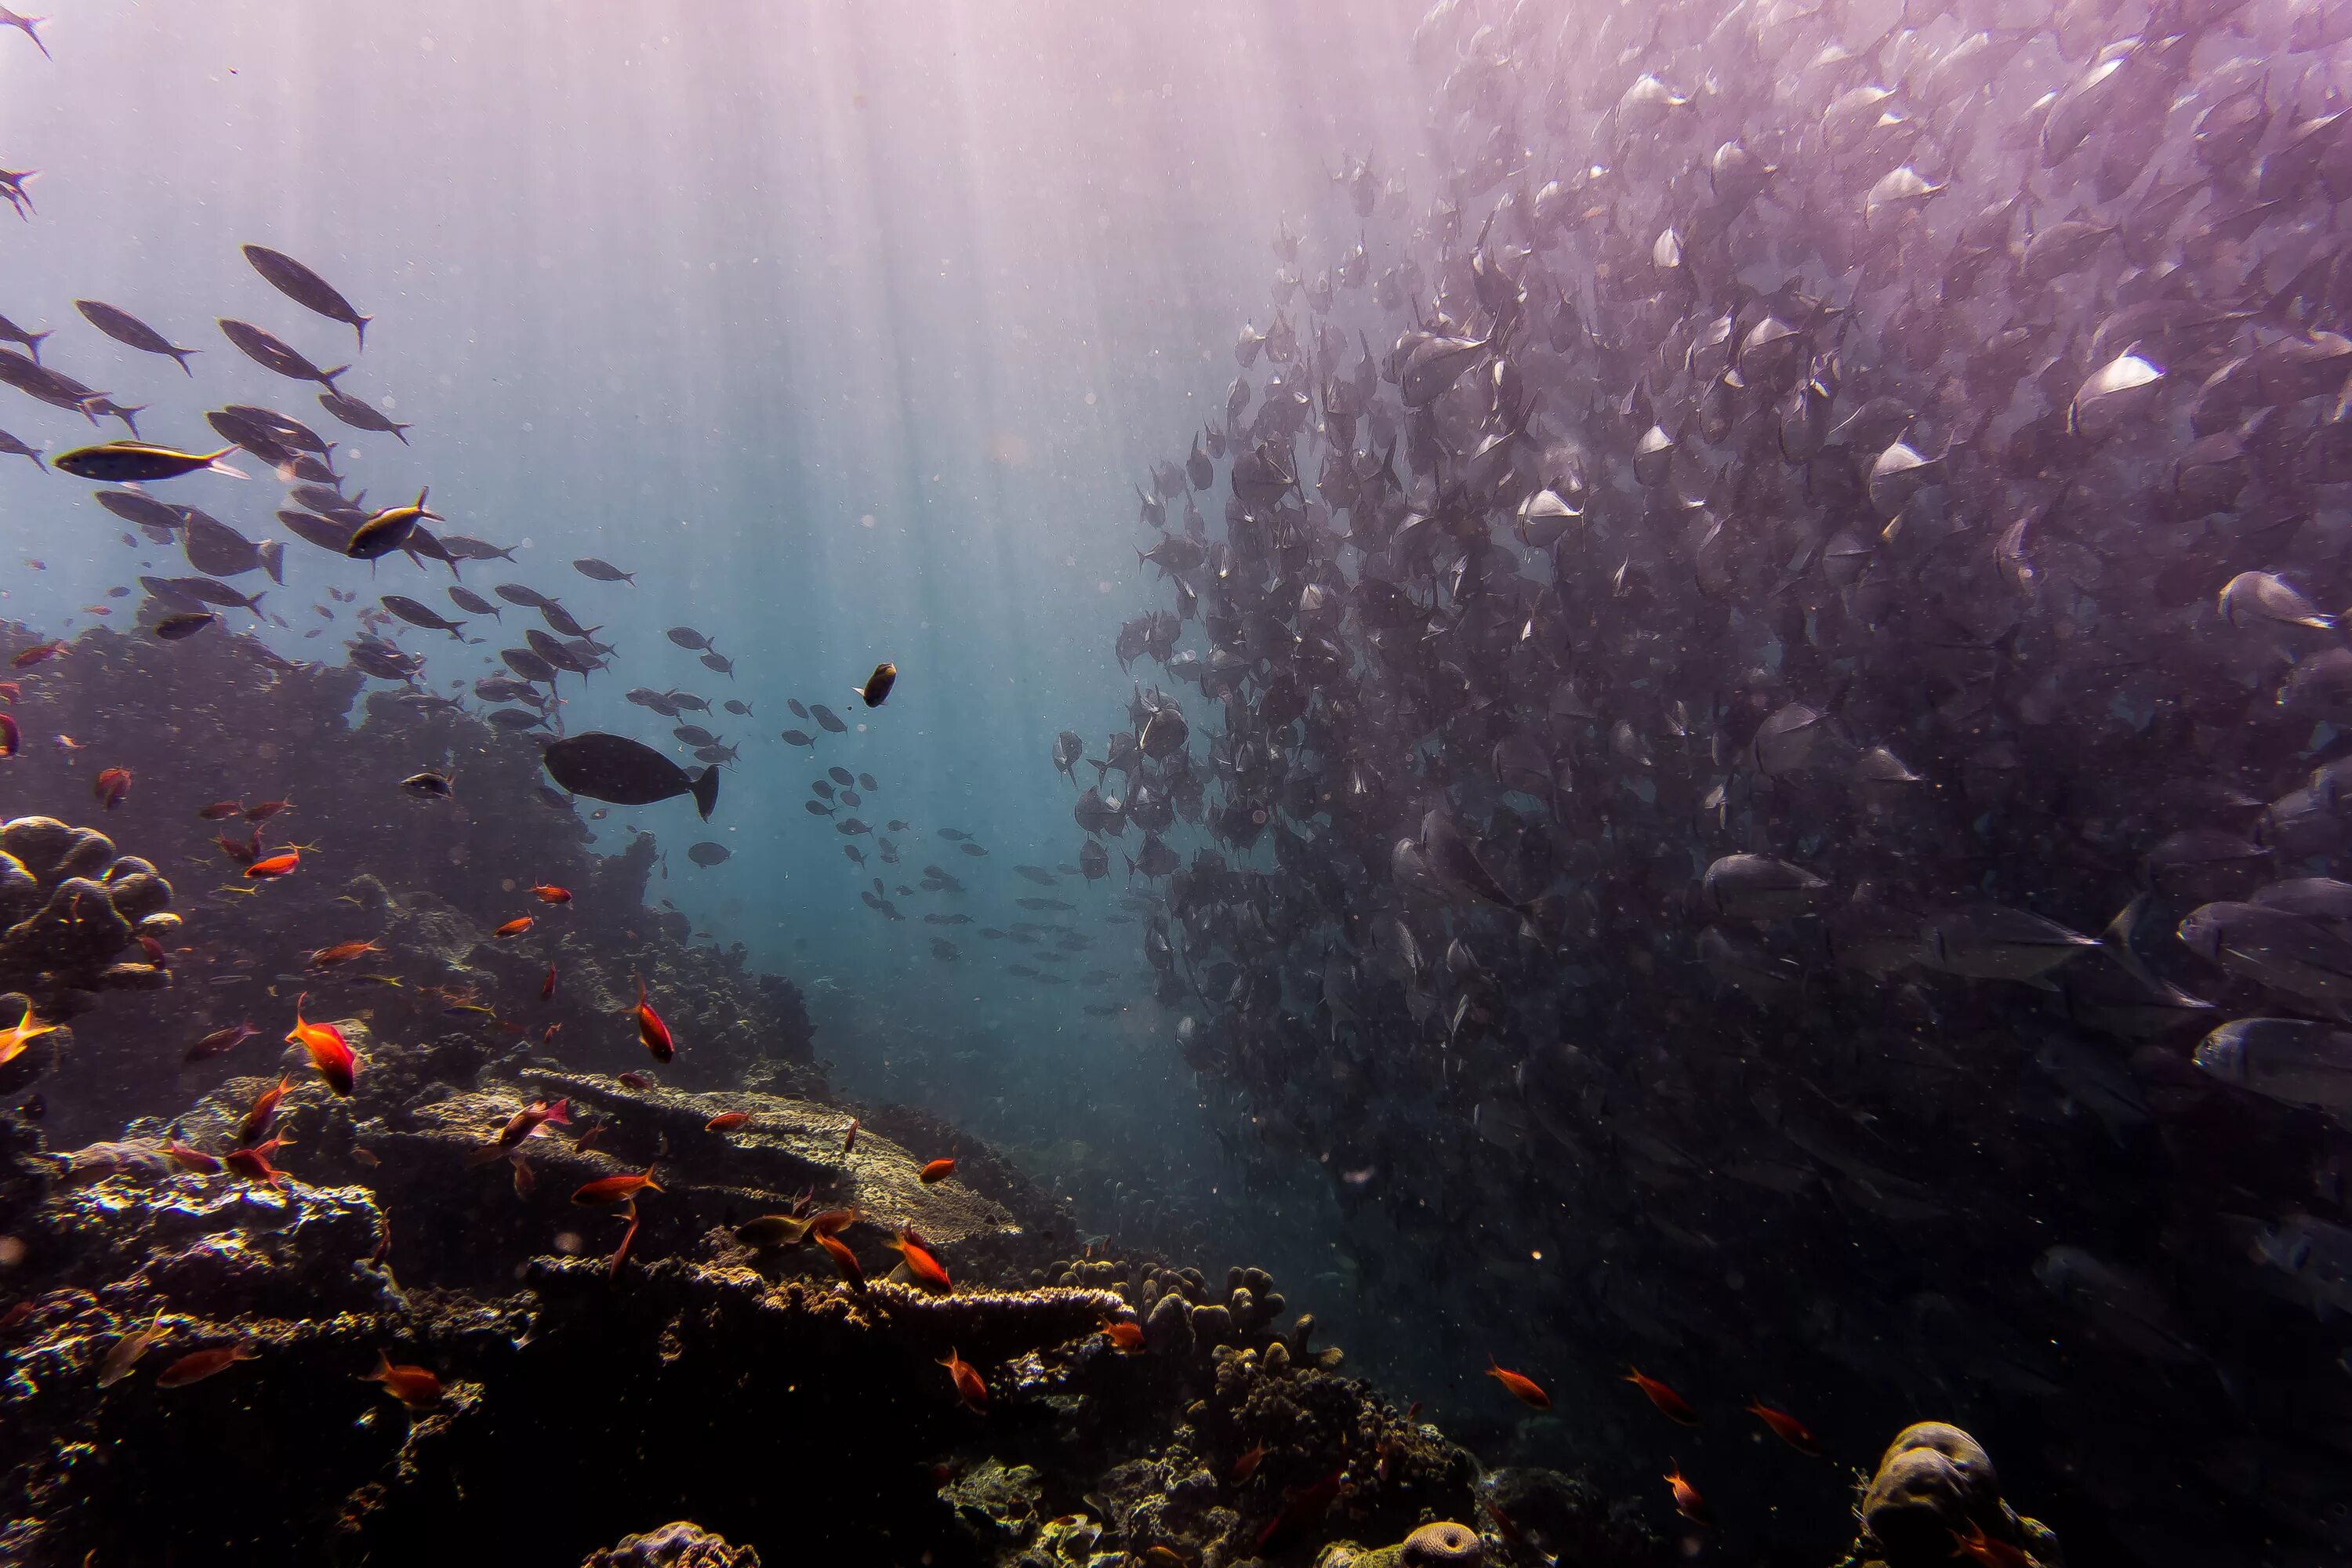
11 739
222 1041
36 654
192 1160
132 462
414 1386
329 1052
651 1030
275 866
547 986
606 1191
850 1141
842 1259
516 926
1245 1465
258 1116
181 625
937 1170
340 953
1127 1336
966 1377
254 1164
21 1034
128 1350
634 1081
728 1120
1980 1547
110 786
17 1317
428 784
1687 1501
1787 1427
1672 1405
198 1365
621 1253
1524 1389
306 288
920 1262
390 530
266 809
772 1230
526 1182
530 1118
876 689
552 895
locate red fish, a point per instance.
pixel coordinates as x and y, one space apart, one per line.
10 690
222 808
525 1180
1674 1405
111 785
254 1164
605 1191
35 655
968 1384
329 1052
634 1081
851 1141
276 866
1246 1466
547 895
414 1386
10 740
197 1365
1980 1547
340 953
527 1120
241 852
842 1259
832 1222
516 926
651 1030
1687 1501
728 1120
621 1253
1303 1508
937 1170
547 986
15 1317
257 1119
266 809
919 1260
1524 1389
1128 1337
195 1160
221 1041
1787 1427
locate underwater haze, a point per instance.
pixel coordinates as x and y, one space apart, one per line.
1243 788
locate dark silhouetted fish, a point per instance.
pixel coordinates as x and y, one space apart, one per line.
306 289
623 772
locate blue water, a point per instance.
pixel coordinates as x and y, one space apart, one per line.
849 330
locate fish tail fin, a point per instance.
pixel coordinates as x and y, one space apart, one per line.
361 327
328 376
33 342
182 355
706 791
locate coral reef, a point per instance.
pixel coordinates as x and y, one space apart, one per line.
1934 1489
681 1544
69 906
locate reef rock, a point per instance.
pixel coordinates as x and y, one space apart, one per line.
679 1545
1935 1487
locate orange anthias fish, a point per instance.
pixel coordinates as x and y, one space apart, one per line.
651 1030
221 808
547 895
197 1365
329 1052
517 926
111 785
276 866
266 809
937 1170
1982 1548
256 1120
254 1164
1524 1389
920 1262
1687 1501
11 739
340 953
1246 1466
605 1191
728 1120
842 1259
832 1222
195 1160
850 1141
414 1386
1128 1337
547 986
968 1384
1674 1405
21 1034
526 1121
633 1081
35 655
1787 1427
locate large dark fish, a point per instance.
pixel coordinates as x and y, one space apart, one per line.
37 380
271 352
125 328
362 416
618 770
306 289
603 571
